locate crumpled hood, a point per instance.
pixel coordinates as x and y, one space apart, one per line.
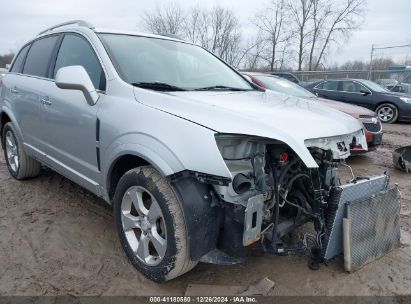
266 114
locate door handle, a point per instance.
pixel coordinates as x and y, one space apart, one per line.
14 91
46 101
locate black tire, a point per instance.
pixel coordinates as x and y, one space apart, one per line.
176 260
27 166
387 112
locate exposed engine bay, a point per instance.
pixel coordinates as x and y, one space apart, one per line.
273 192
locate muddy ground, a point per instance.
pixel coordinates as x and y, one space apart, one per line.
56 238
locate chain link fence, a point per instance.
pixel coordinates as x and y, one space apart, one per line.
398 79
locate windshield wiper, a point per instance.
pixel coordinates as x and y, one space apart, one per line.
220 87
157 86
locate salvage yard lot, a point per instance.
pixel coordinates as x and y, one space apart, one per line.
56 238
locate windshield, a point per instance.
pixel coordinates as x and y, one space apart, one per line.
282 85
374 86
169 65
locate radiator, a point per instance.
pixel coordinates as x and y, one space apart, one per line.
371 228
336 211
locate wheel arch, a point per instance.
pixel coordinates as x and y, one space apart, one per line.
382 102
132 155
5 117
119 167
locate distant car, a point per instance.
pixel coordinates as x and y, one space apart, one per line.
394 85
286 75
389 106
372 125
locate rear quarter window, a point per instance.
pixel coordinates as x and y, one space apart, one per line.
38 57
19 61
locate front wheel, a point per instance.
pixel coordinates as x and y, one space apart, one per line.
387 112
150 224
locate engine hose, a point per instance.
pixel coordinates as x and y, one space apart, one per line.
287 167
290 184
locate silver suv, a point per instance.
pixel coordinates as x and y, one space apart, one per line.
197 162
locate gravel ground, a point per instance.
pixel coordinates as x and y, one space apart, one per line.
56 238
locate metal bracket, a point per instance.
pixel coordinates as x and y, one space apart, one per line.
253 219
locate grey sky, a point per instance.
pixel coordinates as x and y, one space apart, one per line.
387 22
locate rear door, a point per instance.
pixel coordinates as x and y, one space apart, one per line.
25 85
327 89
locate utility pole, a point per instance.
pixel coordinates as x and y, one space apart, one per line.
372 53
383 48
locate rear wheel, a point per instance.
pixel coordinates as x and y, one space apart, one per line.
20 165
387 112
150 224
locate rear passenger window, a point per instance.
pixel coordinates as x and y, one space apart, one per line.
75 50
330 85
38 58
19 61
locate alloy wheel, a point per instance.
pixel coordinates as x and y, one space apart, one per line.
144 225
12 151
385 113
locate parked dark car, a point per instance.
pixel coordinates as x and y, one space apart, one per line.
389 106
372 125
286 75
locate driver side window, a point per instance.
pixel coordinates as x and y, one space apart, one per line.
75 50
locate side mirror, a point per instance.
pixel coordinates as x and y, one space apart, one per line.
76 78
365 92
8 67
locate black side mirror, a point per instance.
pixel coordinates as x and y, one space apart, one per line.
365 92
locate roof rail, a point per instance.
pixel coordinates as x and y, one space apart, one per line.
78 22
168 35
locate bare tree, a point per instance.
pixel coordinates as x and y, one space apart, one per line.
252 53
321 10
271 22
165 20
313 26
217 30
301 13
340 20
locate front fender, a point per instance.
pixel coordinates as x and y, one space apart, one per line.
144 146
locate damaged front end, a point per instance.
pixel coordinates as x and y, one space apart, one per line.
273 192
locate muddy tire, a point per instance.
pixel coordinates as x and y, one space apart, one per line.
387 113
150 224
20 165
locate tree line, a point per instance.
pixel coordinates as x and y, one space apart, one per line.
286 34
6 59
280 35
